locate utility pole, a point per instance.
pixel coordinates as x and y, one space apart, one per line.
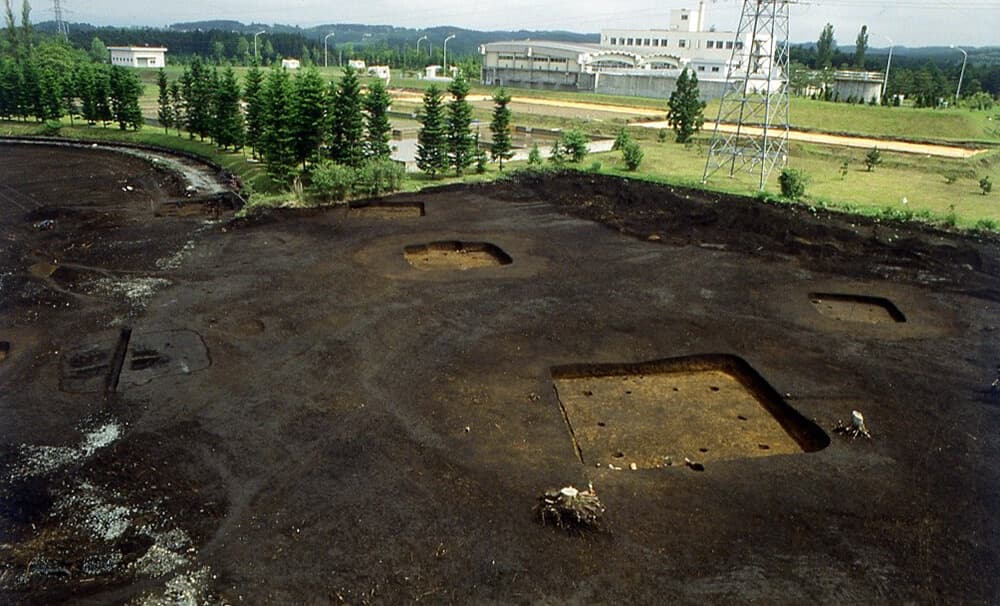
755 97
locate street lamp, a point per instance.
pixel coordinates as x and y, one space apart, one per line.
419 40
326 53
888 63
965 58
255 55
445 60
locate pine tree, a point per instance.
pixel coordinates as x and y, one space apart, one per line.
164 110
252 97
460 141
83 82
308 113
277 142
126 89
500 147
177 109
347 126
229 127
432 140
379 128
686 113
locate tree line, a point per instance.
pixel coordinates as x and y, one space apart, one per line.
49 80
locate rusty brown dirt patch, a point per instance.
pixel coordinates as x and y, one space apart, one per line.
456 255
653 414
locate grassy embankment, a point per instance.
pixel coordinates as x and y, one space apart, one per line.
939 189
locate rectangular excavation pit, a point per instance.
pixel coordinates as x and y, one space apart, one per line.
856 308
452 255
705 408
387 210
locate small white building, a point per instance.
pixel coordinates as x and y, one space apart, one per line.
138 56
382 72
357 64
290 64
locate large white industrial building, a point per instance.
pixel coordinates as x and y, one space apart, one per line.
629 62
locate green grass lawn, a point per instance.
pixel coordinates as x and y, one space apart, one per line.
921 181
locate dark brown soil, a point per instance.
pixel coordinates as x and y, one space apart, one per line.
362 431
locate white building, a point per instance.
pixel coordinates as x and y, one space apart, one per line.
382 72
357 64
631 62
291 64
138 56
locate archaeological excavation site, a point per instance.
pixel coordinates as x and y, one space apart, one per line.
547 390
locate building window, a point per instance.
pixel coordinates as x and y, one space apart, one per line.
729 45
710 44
631 42
648 42
663 42
656 42
739 45
614 41
701 68
684 17
682 43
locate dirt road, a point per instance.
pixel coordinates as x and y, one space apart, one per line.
595 109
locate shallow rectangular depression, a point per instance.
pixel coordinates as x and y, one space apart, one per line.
856 308
706 408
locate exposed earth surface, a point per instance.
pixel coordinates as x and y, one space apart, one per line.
364 405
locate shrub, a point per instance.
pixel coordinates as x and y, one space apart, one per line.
534 156
632 154
844 169
950 178
575 144
558 155
662 135
986 185
50 128
873 158
377 177
793 183
332 182
621 140
595 166
987 225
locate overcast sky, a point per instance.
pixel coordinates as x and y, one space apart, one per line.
907 22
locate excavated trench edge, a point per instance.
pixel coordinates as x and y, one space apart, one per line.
880 302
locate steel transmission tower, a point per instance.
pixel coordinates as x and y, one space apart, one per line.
751 131
60 23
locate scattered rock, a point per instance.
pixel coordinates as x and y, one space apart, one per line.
696 466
